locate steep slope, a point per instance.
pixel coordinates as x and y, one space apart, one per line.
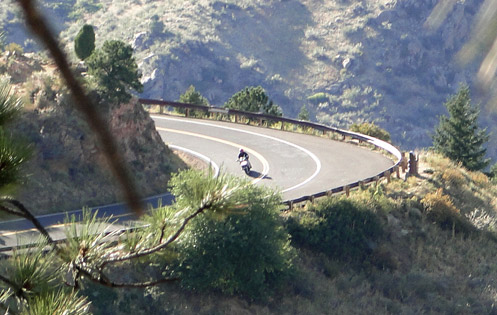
67 169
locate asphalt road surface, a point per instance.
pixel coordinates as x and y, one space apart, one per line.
295 164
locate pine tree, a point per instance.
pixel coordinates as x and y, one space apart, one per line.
114 72
84 43
458 136
192 96
12 152
304 113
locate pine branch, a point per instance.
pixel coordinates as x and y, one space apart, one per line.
25 213
159 246
39 27
18 290
105 281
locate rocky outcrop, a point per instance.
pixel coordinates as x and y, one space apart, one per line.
68 171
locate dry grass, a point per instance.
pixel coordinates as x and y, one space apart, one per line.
431 270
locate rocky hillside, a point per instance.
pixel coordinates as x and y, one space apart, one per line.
347 60
68 170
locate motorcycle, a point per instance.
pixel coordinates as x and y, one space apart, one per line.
244 163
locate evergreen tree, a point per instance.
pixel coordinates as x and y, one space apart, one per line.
191 96
253 99
304 113
114 72
84 43
458 136
12 153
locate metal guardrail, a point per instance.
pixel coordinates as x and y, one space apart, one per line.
400 160
399 163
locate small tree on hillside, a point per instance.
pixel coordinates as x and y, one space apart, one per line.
304 113
458 136
156 26
84 43
192 96
253 99
114 71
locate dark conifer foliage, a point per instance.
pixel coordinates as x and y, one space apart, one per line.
84 43
458 136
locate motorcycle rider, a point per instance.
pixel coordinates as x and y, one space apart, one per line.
244 155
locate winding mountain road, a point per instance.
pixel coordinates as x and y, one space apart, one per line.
295 164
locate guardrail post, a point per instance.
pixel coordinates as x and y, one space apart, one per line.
311 199
282 126
413 164
290 205
329 193
387 175
377 179
161 109
347 190
403 162
236 119
362 186
187 112
397 171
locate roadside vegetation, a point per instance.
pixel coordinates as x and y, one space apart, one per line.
426 244
409 246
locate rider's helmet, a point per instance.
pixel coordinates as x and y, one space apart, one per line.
241 150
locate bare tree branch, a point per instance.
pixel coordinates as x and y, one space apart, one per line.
83 103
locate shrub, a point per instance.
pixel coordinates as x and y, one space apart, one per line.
453 177
318 98
372 130
480 179
14 48
493 172
339 227
440 209
247 252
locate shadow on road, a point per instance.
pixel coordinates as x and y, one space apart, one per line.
256 174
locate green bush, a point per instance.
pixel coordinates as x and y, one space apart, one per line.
339 227
253 99
370 129
246 252
318 98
